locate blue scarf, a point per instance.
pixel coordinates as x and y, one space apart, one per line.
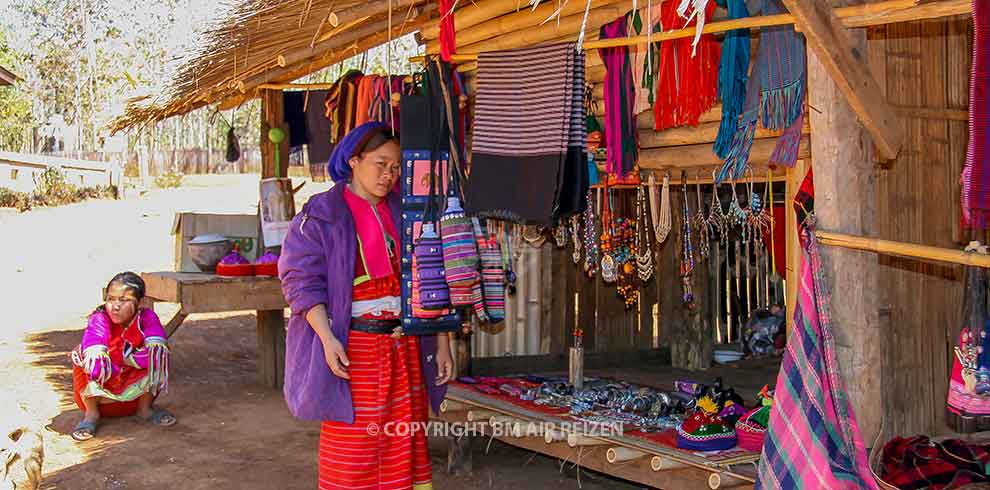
733 70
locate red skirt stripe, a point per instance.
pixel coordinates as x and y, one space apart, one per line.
386 388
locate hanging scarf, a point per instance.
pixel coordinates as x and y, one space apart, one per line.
687 84
621 137
377 234
812 439
976 173
341 105
776 91
448 43
733 70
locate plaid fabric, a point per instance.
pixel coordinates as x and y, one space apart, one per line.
917 462
976 173
812 440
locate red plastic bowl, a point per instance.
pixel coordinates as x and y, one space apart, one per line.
269 269
235 269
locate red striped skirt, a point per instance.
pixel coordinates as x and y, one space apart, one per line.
389 396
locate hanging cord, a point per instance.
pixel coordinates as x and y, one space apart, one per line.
388 70
584 27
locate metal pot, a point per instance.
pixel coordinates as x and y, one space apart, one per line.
207 250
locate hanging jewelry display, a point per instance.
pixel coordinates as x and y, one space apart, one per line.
625 255
687 249
533 235
576 238
610 269
509 253
591 236
736 215
662 223
644 250
717 220
560 234
701 225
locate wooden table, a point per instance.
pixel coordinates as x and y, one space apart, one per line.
209 293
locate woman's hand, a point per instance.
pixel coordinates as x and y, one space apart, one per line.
445 363
336 357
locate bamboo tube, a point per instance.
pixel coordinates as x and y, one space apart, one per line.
902 249
551 30
448 406
502 419
701 155
297 86
471 14
574 440
554 435
660 463
853 16
362 12
515 21
478 415
719 480
619 454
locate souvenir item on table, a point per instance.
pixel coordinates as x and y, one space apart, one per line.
752 427
976 173
705 431
969 382
520 143
733 71
621 133
687 250
774 96
266 265
234 264
812 440
915 463
687 76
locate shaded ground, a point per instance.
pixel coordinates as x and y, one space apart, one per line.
231 432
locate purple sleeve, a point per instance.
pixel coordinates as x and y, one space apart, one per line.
154 333
97 330
302 266
96 339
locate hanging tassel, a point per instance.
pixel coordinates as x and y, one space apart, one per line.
738 158
157 365
96 360
781 107
786 151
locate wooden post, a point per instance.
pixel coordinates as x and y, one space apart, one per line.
791 241
272 114
845 193
271 348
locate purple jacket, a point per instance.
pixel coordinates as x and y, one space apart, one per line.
317 267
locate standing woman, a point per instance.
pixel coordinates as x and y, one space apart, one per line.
347 362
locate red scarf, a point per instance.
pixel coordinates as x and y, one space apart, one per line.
686 86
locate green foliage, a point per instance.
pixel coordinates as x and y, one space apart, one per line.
13 199
15 106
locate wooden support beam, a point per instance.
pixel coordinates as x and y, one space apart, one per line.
569 25
847 65
272 116
296 86
911 250
515 21
701 155
792 242
473 13
691 135
358 13
646 119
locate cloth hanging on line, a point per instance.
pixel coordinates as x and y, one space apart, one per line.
643 70
448 42
969 382
812 440
774 96
733 71
529 145
976 172
621 134
341 105
687 84
294 114
318 133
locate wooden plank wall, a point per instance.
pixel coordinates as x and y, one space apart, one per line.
921 64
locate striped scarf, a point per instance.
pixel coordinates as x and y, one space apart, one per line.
774 96
733 71
976 173
812 440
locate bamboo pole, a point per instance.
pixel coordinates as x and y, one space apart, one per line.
448 406
575 440
297 86
473 13
363 11
515 21
619 454
871 14
662 463
480 415
569 25
554 435
902 249
701 155
718 480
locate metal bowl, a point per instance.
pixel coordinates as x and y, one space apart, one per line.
207 250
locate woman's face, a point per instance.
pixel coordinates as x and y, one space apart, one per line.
121 304
376 171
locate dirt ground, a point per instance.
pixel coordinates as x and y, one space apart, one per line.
231 432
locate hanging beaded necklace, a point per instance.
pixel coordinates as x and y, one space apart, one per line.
610 267
591 235
661 219
701 225
576 238
717 220
687 249
560 233
644 251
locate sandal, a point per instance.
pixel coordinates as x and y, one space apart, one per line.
84 431
161 418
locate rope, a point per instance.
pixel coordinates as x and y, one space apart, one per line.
388 70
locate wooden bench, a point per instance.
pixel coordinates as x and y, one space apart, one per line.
209 293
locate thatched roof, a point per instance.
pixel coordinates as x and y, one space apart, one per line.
271 41
7 77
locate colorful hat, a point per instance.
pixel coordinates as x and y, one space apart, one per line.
705 430
266 265
752 427
234 264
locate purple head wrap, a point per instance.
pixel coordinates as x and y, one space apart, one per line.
339 167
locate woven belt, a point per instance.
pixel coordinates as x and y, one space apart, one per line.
374 326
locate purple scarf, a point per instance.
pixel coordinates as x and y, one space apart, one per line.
976 173
621 137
